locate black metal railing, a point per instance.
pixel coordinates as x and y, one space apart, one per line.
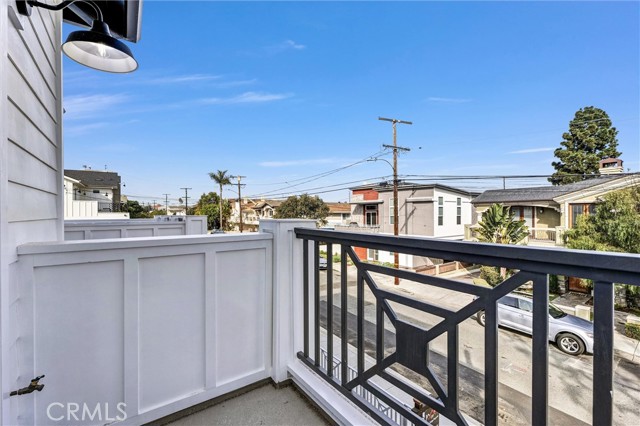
530 265
108 207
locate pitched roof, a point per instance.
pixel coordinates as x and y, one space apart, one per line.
539 193
339 207
94 178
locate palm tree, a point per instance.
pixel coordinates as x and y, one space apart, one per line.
498 225
221 178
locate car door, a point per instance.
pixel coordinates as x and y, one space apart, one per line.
525 318
509 312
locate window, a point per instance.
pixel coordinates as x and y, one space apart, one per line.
371 215
96 191
391 215
509 301
440 210
459 211
372 254
526 305
580 209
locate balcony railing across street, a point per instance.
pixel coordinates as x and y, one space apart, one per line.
412 342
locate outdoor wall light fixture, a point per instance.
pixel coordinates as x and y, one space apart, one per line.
95 48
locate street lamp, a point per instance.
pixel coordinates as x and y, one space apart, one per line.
395 147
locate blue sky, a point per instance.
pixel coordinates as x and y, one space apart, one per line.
283 92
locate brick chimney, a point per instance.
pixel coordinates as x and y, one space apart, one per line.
610 166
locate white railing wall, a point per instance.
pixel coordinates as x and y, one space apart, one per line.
159 324
133 228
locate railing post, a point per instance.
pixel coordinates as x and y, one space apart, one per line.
603 353
287 313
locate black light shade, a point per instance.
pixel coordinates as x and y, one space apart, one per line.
99 50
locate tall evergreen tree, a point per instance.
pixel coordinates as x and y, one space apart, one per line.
591 138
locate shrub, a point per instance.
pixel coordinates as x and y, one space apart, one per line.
632 330
554 287
491 275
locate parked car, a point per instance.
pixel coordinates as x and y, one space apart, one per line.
573 335
322 263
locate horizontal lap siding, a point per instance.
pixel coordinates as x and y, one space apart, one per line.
32 129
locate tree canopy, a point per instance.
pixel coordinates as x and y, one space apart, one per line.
209 205
303 207
591 138
136 211
615 226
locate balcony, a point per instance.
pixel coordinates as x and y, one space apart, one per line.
162 324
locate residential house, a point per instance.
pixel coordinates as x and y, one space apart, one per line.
266 209
91 196
427 210
339 214
549 210
133 330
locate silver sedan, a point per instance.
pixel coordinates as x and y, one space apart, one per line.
573 335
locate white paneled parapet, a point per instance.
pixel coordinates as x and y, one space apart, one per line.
287 292
158 324
160 226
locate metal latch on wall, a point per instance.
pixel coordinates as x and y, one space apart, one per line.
33 386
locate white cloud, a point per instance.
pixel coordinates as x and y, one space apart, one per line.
86 106
449 100
82 129
188 78
296 162
531 150
284 46
247 98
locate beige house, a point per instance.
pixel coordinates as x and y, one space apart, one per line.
549 210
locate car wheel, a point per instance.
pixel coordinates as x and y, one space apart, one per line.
570 344
480 316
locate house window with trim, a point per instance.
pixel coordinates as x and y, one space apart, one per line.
576 210
459 211
371 215
440 211
391 215
372 254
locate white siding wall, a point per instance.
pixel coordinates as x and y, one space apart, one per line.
31 205
450 229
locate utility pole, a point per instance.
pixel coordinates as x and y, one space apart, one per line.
166 203
395 147
186 198
240 199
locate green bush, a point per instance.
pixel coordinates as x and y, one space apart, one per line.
554 287
336 258
491 275
632 330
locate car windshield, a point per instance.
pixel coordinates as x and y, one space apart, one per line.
555 312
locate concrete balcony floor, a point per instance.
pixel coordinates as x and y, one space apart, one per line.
266 405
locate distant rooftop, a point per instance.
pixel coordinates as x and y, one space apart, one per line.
94 178
540 193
